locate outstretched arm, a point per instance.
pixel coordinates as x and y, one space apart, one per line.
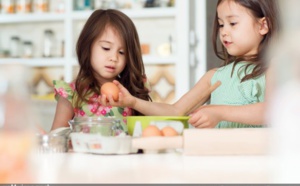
208 116
198 95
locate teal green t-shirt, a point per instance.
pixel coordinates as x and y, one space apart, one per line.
234 92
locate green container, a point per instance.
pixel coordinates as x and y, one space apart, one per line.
146 120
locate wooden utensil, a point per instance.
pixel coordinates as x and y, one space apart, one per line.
211 142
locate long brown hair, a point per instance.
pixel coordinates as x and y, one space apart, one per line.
259 9
134 72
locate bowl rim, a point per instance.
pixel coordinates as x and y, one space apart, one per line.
160 117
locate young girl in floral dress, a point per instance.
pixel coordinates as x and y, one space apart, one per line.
108 49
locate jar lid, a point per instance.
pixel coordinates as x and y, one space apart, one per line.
101 119
27 43
15 38
104 125
48 31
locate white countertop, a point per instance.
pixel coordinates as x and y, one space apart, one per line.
150 168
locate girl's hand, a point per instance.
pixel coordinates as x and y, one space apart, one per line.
206 116
125 98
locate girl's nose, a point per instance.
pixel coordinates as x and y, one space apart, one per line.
113 58
224 33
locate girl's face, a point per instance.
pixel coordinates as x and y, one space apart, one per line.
108 55
240 33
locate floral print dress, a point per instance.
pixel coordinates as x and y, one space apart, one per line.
92 107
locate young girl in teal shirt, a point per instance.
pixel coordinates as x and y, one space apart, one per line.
242 32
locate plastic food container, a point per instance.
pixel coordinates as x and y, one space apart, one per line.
99 135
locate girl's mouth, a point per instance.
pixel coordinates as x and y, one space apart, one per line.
110 68
227 43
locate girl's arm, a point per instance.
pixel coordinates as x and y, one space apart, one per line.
64 112
209 116
183 106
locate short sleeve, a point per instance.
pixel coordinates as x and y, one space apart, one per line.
63 89
251 91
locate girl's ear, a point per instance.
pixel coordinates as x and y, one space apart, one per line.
263 26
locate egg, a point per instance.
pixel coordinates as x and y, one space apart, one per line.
169 131
110 88
150 131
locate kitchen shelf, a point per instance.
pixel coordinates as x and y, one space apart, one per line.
134 14
34 62
148 60
31 17
83 15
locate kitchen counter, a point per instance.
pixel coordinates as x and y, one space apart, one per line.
173 167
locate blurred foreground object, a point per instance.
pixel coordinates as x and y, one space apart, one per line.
16 125
284 106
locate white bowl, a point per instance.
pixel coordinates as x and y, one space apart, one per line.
94 143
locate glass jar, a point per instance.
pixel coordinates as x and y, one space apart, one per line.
105 126
27 49
15 46
60 6
8 6
83 5
48 43
41 5
24 6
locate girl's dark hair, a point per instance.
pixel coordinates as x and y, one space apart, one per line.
133 75
259 9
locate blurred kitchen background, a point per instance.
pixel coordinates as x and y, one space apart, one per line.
176 43
42 34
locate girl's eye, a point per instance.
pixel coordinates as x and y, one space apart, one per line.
232 24
121 52
104 48
220 25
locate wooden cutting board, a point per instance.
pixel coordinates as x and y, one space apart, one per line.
254 141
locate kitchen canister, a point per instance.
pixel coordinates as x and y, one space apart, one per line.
24 6
15 46
48 43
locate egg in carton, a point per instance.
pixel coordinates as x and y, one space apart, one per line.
157 130
161 125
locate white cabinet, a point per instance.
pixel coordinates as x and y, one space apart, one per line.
161 23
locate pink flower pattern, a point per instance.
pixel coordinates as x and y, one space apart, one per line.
62 92
92 107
